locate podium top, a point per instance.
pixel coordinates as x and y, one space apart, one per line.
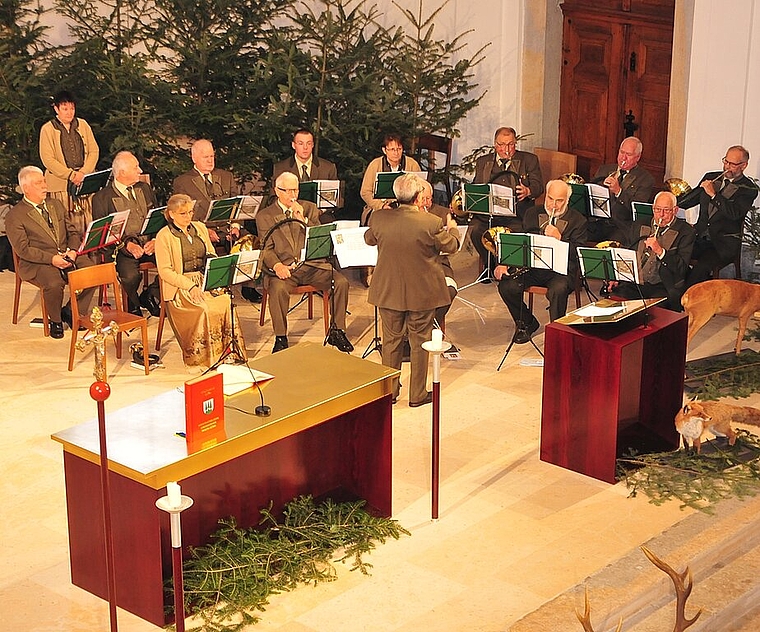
607 311
142 441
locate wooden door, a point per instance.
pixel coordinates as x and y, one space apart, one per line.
615 62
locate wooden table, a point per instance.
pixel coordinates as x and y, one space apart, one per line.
611 387
329 434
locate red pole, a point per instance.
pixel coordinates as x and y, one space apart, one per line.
100 391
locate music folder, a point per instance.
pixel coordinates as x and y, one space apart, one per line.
489 199
609 264
92 183
526 250
384 183
155 220
232 269
642 212
591 200
318 243
326 194
223 210
351 249
103 232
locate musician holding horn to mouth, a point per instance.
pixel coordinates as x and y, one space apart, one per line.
724 197
628 182
664 250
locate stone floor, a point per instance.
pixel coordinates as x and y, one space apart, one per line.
513 533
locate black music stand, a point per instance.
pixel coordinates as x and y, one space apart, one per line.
487 200
221 273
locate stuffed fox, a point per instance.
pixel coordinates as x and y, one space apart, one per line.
696 419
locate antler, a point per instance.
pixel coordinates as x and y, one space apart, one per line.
683 585
585 619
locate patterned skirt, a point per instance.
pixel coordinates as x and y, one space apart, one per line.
203 331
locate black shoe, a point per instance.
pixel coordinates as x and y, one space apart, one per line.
280 343
525 332
139 359
250 294
428 399
56 330
337 338
66 315
149 302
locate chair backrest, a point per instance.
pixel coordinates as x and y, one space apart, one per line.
555 163
432 143
94 276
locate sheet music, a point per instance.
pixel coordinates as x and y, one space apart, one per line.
588 311
691 215
247 266
462 234
502 200
626 264
118 224
328 193
600 200
239 378
342 224
249 206
351 249
548 253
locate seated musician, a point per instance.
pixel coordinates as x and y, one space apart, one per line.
127 193
664 251
201 321
554 219
518 170
628 182
45 239
281 245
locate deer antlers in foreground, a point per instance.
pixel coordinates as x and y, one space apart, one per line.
683 585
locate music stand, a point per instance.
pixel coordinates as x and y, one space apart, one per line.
221 273
525 251
325 194
609 264
92 183
103 232
155 220
488 200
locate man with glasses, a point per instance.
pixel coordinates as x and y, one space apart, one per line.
518 170
724 197
282 242
664 251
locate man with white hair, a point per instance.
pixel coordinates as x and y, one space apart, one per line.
281 227
128 193
664 253
45 239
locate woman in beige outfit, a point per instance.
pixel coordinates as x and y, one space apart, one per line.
201 320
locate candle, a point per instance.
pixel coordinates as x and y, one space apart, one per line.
174 494
437 338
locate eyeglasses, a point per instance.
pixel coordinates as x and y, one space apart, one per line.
288 190
663 209
734 165
506 145
394 149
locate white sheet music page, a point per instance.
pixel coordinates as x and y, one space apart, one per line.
351 249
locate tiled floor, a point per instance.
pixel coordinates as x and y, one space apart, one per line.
513 531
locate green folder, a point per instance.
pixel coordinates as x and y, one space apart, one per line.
514 249
154 221
384 184
642 212
580 200
96 234
596 263
224 210
220 271
477 198
319 243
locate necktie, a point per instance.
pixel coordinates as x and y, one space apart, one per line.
622 175
503 163
288 213
304 174
131 193
45 214
209 182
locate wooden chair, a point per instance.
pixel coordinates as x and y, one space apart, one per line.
532 290
433 144
145 269
94 276
554 164
17 298
309 290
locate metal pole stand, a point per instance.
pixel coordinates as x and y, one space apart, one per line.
164 504
436 346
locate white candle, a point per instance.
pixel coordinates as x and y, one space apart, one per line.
437 338
174 493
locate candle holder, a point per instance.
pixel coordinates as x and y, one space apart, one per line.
176 535
436 347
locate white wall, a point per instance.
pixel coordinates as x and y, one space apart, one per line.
723 94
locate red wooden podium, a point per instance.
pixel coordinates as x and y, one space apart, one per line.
611 387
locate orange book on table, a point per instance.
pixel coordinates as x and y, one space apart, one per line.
204 411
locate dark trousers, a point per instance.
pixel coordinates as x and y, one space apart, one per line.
128 269
558 288
49 278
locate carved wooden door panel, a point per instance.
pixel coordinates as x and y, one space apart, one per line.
615 63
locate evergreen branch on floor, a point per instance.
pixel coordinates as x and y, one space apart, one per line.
727 375
695 480
230 579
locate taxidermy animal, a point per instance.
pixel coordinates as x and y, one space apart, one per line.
724 297
696 419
